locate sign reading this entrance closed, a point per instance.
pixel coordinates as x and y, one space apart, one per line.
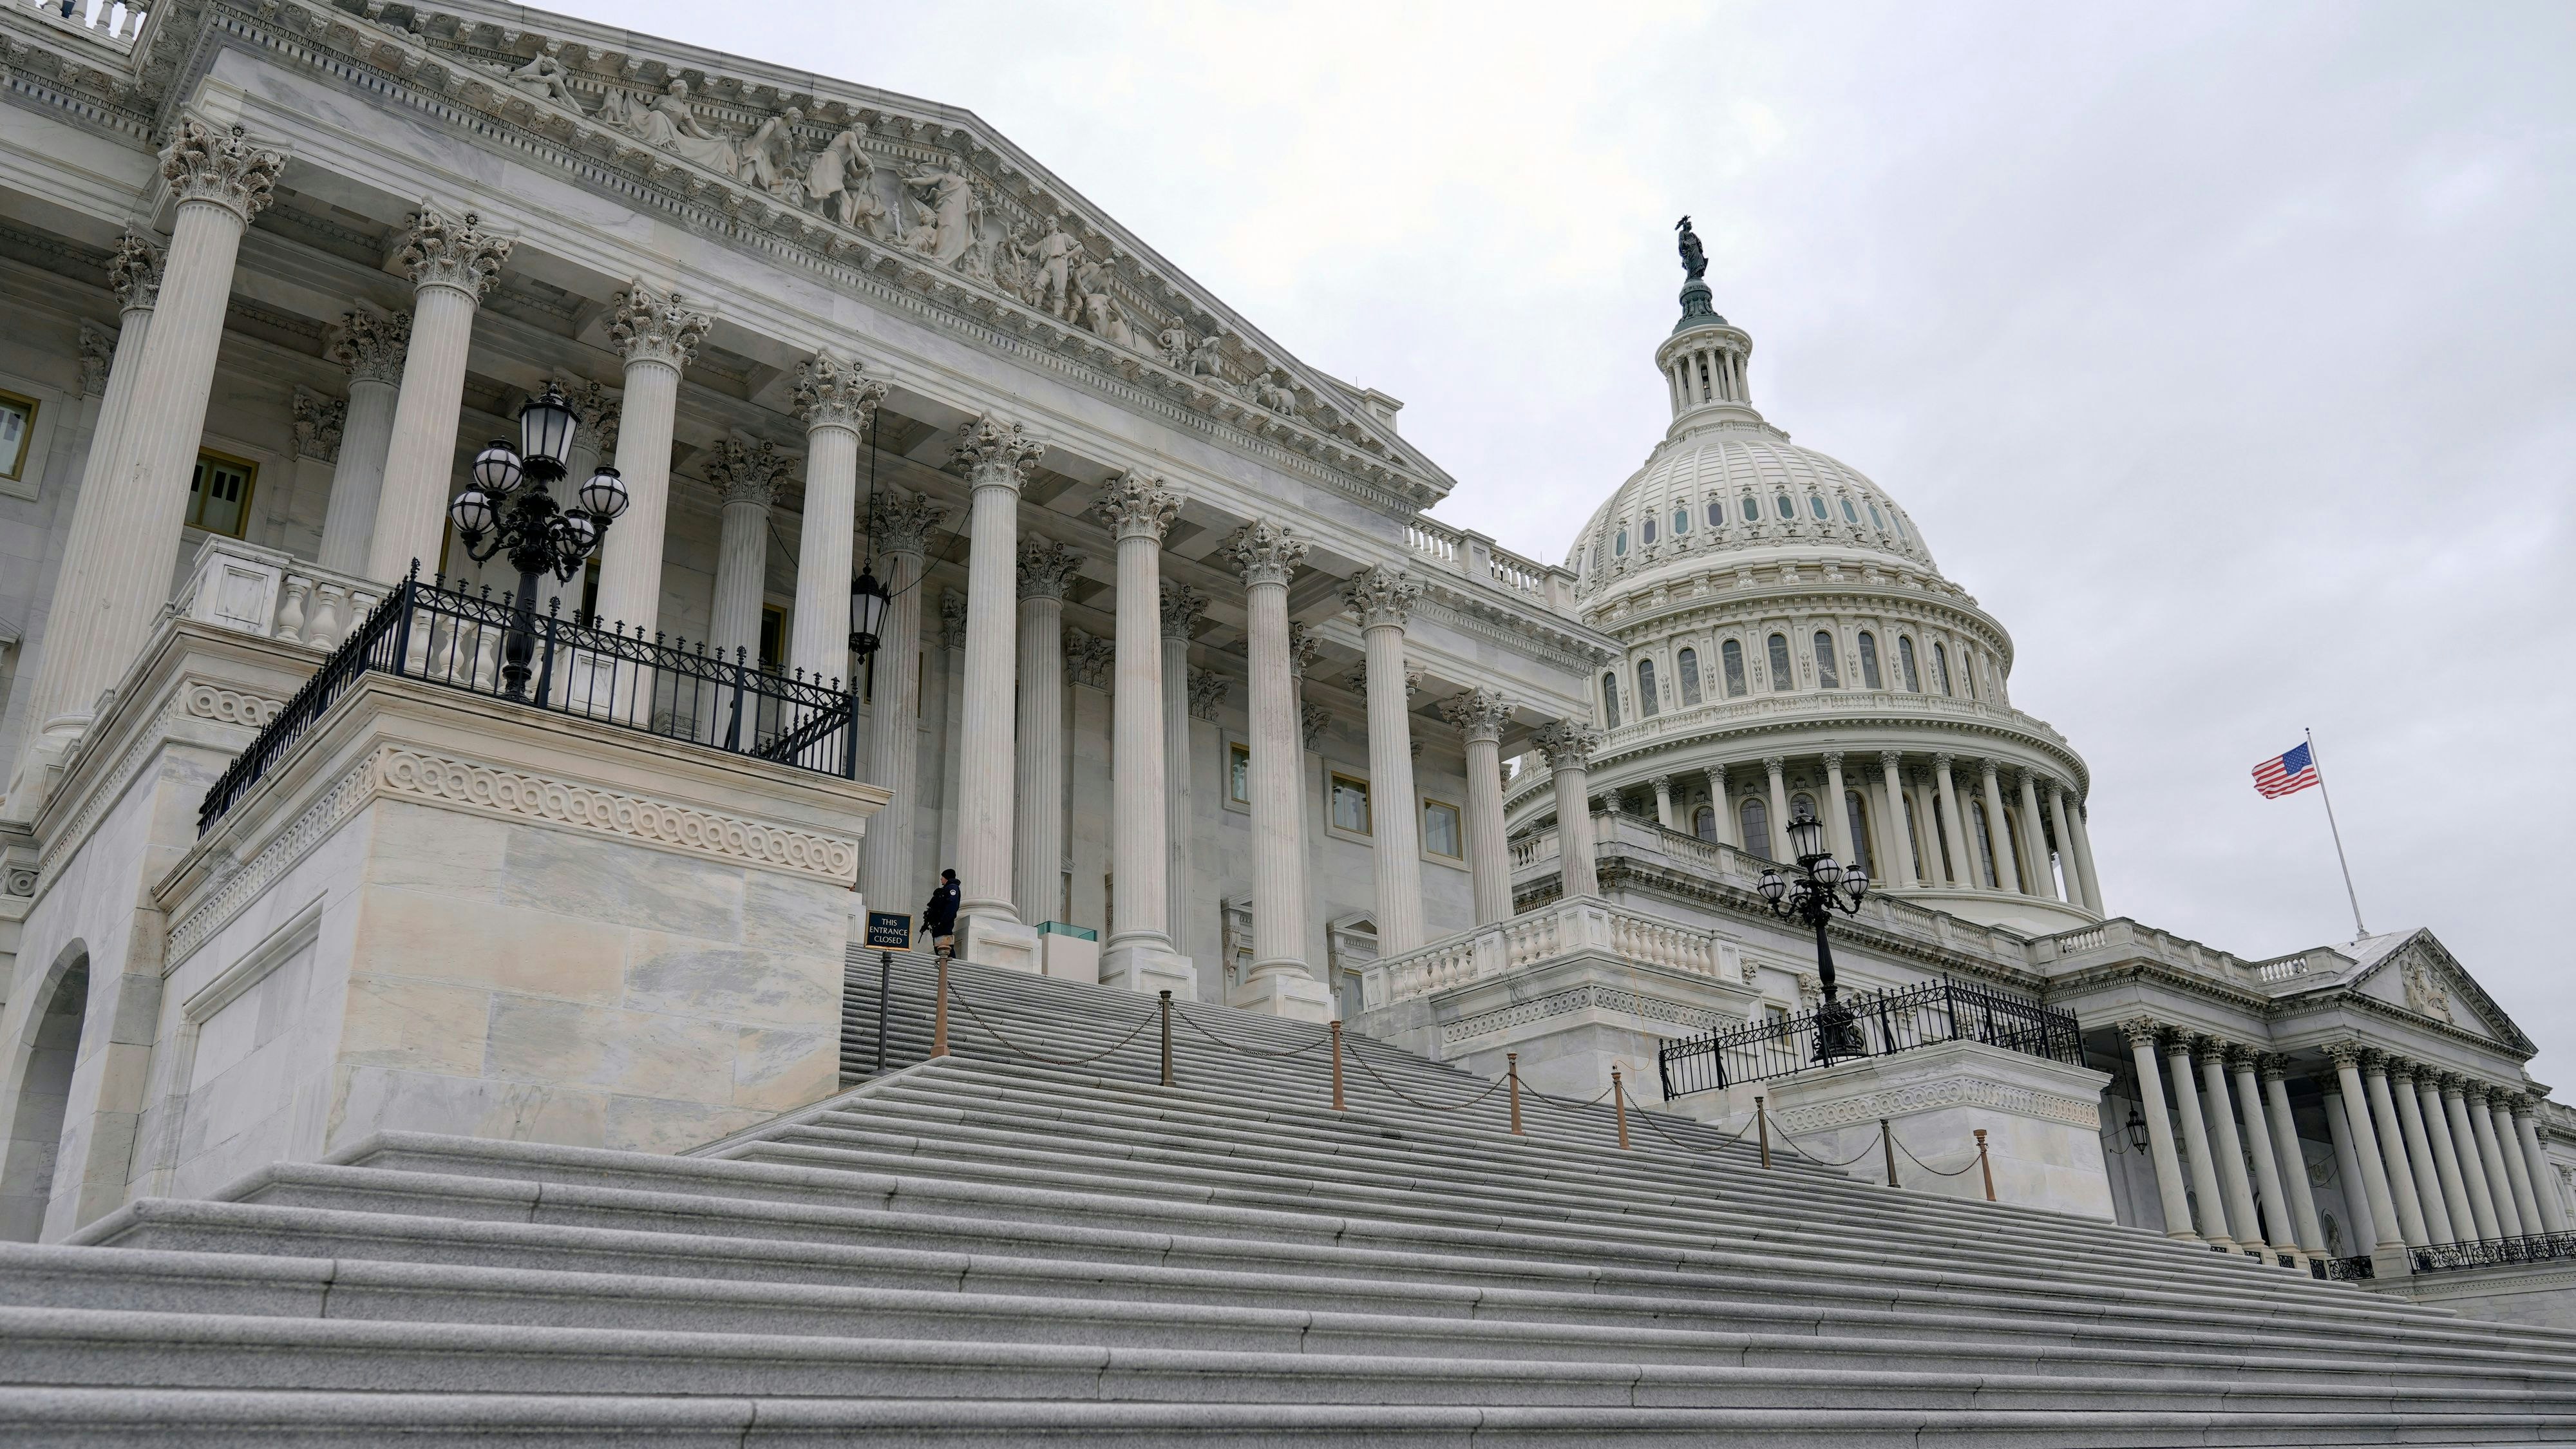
889 931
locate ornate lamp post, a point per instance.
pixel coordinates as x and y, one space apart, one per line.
1823 887
508 508
868 600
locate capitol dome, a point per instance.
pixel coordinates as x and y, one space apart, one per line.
1791 650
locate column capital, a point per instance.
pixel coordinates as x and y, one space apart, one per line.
1266 553
1088 658
220 165
1381 596
2178 1045
1312 721
1567 744
134 272
1412 683
1207 691
1302 643
1987 768
1479 713
831 393
1942 761
1774 764
592 402
1046 566
2142 1030
2452 1085
2271 1067
369 346
2520 1104
900 522
2344 1054
1833 759
2401 1070
952 619
995 454
1137 505
1890 759
318 421
746 472
2497 1096
2374 1062
2243 1058
650 326
1183 607
97 357
439 252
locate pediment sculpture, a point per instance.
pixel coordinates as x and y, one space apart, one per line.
2425 993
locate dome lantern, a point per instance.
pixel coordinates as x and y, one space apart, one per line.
1703 359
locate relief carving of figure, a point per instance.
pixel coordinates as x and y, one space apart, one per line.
769 158
2424 990
946 206
1051 280
671 125
1272 390
1208 359
842 179
1176 344
544 77
1100 313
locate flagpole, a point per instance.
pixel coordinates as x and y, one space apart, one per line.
2358 929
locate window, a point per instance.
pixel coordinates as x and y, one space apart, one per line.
773 639
1816 506
1985 842
1827 677
1905 663
1648 700
1646 530
1716 514
1238 774
1350 805
1440 832
1610 701
1874 520
1782 676
1730 657
1898 520
1756 820
1681 520
1802 807
1940 667
1787 509
1704 822
1752 510
1857 813
1850 514
1968 674
1869 660
1619 545
1689 666
219 494
17 431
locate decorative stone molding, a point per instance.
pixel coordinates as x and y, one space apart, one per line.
1046 566
1137 506
995 454
649 326
1183 607
901 522
244 882
1312 721
1302 644
1566 744
1266 553
369 346
227 706
456 254
97 356
2136 1030
1088 658
952 619
202 163
1928 1096
1381 596
318 421
1479 713
1207 691
1590 996
746 472
831 393
134 273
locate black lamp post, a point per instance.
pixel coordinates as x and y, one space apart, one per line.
1823 887
508 508
868 599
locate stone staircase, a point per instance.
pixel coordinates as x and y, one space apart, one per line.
984 1249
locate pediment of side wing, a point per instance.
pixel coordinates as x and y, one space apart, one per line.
2420 976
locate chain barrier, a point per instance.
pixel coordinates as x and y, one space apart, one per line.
1361 1057
1785 1140
1729 1138
969 1008
1973 1159
1233 1046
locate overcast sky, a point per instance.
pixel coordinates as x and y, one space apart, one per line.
2227 354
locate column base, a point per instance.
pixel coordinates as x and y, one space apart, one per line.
999 941
1148 969
1066 956
40 767
2387 1263
1289 993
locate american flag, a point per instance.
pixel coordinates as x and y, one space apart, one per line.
2285 774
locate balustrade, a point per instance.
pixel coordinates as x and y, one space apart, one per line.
116 22
269 594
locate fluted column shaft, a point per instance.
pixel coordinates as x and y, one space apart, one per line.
894 740
1568 747
659 336
2280 1231
838 404
1838 836
742 569
1963 861
2544 1183
2195 1136
2084 861
998 459
1182 607
1380 598
2419 1157
2294 1160
2034 838
1480 715
1139 510
371 348
2526 1207
2473 1170
2365 1150
1038 822
1777 847
2160 1139
1999 840
1900 864
2392 1151
1268 557
2244 1224
2446 1157
2365 1230
2065 833
1664 801
1729 828
452 264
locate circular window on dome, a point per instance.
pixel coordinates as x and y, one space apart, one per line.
1681 520
1816 505
1787 508
1874 520
1752 510
1619 545
1850 514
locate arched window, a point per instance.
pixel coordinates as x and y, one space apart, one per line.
1802 806
1681 520
1730 658
1716 514
1704 822
1874 520
1856 811
1869 660
1649 700
1816 506
1850 514
1646 529
1619 546
1688 664
1756 820
1610 701
1899 520
1985 842
1940 666
1905 664
1782 677
1752 510
1827 677
1786 508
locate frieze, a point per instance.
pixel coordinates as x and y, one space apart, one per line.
1933 1096
1591 996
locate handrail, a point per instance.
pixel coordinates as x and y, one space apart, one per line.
1886 1022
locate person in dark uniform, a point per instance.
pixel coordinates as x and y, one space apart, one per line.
939 918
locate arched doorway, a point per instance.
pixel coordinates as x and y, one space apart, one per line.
44 1094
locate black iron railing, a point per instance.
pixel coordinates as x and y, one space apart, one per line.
2340 1270
471 640
1891 1021
2494 1252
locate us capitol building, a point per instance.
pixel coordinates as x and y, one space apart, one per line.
880 507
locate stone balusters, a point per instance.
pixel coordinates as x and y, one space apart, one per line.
1045 568
1182 608
452 262
1568 746
1381 599
838 404
1279 981
745 475
658 335
2143 1037
997 458
899 526
1481 716
1138 955
370 348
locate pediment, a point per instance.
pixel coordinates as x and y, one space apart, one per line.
2421 977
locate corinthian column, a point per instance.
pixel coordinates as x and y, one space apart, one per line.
1900 862
2245 1223
2446 1155
2544 1182
1952 830
746 479
371 348
2084 859
1568 747
1279 982
2473 1173
1139 955
2035 837
2294 1158
2495 1129
1480 715
1382 598
1045 568
658 337
2419 1153
452 263
2143 1035
1183 606
2365 1150
838 402
997 458
1837 815
2258 1145
1999 841
2195 1137
899 526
